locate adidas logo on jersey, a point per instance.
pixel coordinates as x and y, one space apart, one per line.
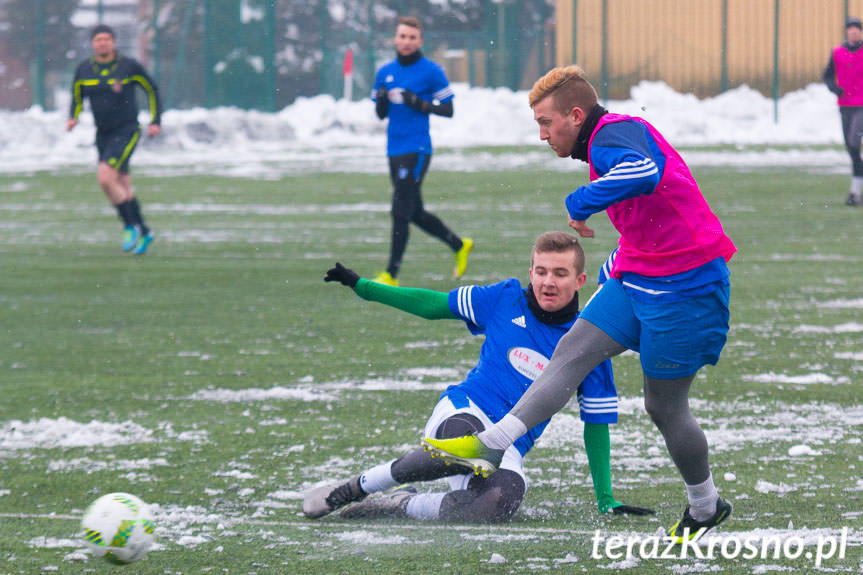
519 321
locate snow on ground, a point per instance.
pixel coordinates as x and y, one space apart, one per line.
796 379
321 133
48 433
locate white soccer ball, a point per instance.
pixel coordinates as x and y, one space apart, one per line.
118 527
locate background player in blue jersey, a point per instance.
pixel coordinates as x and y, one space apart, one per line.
108 79
521 327
408 90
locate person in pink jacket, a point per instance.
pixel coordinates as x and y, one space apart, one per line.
667 297
844 77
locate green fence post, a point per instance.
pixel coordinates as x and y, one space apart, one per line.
489 39
39 84
208 56
155 41
501 61
723 80
540 50
370 51
325 55
513 50
575 31
270 57
775 61
604 52
179 63
237 96
471 56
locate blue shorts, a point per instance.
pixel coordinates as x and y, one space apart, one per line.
597 395
675 339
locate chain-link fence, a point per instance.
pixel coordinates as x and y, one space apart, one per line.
262 54
703 47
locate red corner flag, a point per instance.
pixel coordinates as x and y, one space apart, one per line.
348 71
349 63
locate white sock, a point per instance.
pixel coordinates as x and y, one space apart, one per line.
856 185
425 506
702 499
503 433
378 478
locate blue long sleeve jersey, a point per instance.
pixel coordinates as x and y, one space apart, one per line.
408 129
629 163
516 350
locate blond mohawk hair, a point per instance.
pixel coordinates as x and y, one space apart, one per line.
569 88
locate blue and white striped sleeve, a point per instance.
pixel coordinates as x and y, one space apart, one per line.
627 166
605 270
464 304
441 90
475 304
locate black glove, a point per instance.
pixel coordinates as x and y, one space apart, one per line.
382 102
632 510
416 102
343 275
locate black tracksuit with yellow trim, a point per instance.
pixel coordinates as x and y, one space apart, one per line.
111 90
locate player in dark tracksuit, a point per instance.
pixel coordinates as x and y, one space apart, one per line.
108 79
844 77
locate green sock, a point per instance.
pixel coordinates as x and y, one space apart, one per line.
597 443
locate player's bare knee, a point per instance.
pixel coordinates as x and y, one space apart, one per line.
107 175
105 179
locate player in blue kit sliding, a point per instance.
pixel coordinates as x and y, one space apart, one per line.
521 327
408 90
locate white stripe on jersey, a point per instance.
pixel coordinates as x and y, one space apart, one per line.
644 164
605 270
630 171
594 294
465 303
644 289
442 93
